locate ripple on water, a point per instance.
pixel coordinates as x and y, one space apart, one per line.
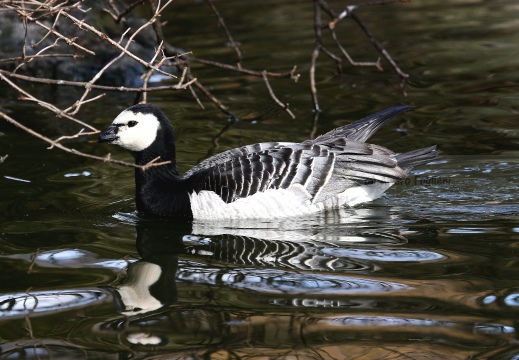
393 255
43 302
287 282
393 321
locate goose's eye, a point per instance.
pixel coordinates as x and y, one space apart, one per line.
132 123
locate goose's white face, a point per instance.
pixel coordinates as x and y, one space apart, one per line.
134 131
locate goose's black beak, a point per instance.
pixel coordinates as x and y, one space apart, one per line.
108 136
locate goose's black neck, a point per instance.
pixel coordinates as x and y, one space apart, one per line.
160 190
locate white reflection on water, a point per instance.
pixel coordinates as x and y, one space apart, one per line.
385 321
384 254
286 282
70 258
36 302
512 300
382 321
469 230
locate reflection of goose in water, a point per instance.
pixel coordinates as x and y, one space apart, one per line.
303 268
150 283
210 264
237 298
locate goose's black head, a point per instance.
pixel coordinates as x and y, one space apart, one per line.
139 128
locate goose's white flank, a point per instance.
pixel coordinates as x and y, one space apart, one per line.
264 180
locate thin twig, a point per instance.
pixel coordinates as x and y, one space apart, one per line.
64 137
103 36
327 9
313 128
273 96
120 15
313 87
233 44
215 141
51 107
178 86
24 22
106 158
348 12
48 32
349 58
290 74
217 102
315 54
379 46
337 59
71 42
157 26
154 162
33 260
195 96
41 56
81 102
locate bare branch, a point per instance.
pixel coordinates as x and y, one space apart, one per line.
39 53
102 36
290 74
215 140
313 87
178 86
46 105
47 34
195 96
71 42
80 133
213 98
41 56
233 44
80 102
315 54
61 20
379 46
53 143
154 162
349 58
273 96
120 15
348 12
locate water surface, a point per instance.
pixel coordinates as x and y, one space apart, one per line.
428 271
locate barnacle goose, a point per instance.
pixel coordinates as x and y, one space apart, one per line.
264 180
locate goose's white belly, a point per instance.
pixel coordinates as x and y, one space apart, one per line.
277 203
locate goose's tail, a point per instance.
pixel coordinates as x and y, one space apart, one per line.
417 157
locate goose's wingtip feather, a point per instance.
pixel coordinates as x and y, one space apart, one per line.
361 130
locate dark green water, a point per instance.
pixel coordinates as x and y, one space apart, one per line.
430 271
